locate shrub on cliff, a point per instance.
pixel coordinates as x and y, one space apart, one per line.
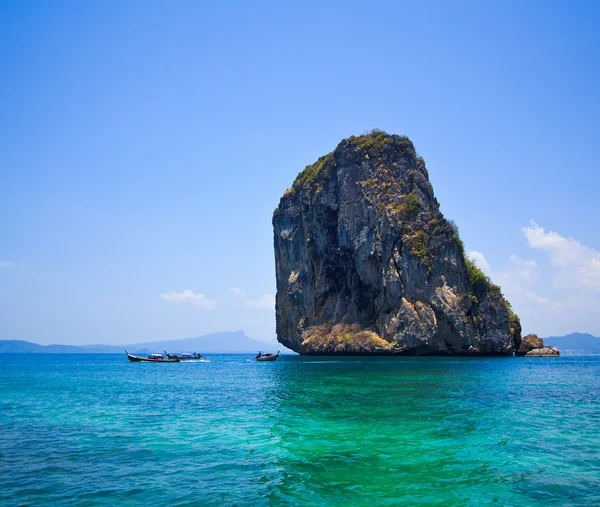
317 173
477 277
410 206
377 141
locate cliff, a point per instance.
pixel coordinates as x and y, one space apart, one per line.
544 352
367 264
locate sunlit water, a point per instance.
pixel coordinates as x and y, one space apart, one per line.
98 430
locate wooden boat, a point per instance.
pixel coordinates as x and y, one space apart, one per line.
184 357
152 358
266 357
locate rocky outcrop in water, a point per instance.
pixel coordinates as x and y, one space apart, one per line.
533 345
367 264
544 352
528 343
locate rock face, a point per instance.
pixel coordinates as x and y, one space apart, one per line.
544 352
532 345
367 264
528 343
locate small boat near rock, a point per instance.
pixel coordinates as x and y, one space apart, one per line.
152 358
266 357
184 357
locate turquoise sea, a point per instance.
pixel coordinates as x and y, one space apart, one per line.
81 430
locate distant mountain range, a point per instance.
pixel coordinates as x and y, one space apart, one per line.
237 342
217 343
575 343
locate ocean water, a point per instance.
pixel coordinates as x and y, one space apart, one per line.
79 430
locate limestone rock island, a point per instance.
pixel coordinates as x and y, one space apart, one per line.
366 263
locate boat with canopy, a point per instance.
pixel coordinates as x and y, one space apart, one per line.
266 357
152 358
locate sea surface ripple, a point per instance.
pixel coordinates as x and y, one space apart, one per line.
83 430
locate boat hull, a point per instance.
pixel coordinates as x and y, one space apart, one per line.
183 358
138 359
267 358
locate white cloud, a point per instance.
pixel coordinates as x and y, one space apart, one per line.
555 294
6 264
562 251
265 302
518 279
188 296
575 265
524 270
535 297
591 269
481 261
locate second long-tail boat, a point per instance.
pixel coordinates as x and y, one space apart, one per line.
184 357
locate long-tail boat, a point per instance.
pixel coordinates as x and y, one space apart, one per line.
152 358
184 357
266 357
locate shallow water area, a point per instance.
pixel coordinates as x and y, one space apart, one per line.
98 430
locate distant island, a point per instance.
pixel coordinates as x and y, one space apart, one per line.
227 342
575 344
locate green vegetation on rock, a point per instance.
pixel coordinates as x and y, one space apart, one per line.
460 243
376 141
418 246
514 323
477 277
315 177
410 206
316 174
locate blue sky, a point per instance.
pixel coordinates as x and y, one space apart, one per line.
144 146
